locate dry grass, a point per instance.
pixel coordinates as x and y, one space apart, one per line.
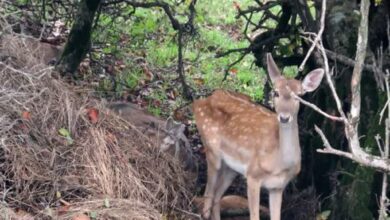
109 169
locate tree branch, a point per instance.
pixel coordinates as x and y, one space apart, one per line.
356 153
318 37
167 9
315 108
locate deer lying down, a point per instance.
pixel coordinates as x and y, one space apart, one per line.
242 137
167 134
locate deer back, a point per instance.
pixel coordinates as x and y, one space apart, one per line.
228 119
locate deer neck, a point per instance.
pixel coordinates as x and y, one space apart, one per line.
290 150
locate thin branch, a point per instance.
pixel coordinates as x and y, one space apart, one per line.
243 50
318 37
350 62
317 109
232 64
383 203
328 148
330 82
257 9
383 111
379 144
167 9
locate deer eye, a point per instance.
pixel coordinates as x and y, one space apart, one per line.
276 94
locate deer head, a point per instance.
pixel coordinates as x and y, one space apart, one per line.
286 106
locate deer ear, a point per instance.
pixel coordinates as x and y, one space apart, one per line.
170 124
312 80
273 70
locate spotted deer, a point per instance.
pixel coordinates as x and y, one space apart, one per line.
241 137
166 134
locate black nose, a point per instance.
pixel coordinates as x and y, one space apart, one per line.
284 119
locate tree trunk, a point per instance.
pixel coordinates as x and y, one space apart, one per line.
79 39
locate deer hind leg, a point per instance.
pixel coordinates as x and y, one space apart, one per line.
275 203
213 169
254 185
225 178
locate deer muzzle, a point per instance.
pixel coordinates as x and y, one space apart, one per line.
284 118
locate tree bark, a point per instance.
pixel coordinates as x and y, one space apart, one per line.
79 39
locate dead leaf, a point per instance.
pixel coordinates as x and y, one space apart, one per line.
63 209
111 137
26 115
236 5
157 103
233 71
81 217
199 81
93 115
148 74
23 215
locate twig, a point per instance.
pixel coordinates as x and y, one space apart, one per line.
315 108
232 64
330 82
378 143
328 148
350 62
318 37
189 213
257 9
165 6
243 50
383 203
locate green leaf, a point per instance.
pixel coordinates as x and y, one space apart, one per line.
323 215
58 194
69 139
106 203
93 214
64 132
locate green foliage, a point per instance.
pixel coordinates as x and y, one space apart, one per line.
151 35
357 194
162 54
290 71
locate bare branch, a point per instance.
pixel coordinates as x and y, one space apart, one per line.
350 62
362 158
167 9
318 37
360 56
328 148
356 153
383 203
315 108
328 77
242 50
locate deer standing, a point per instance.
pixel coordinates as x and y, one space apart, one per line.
241 137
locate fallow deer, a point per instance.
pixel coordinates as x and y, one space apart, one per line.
166 134
242 137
